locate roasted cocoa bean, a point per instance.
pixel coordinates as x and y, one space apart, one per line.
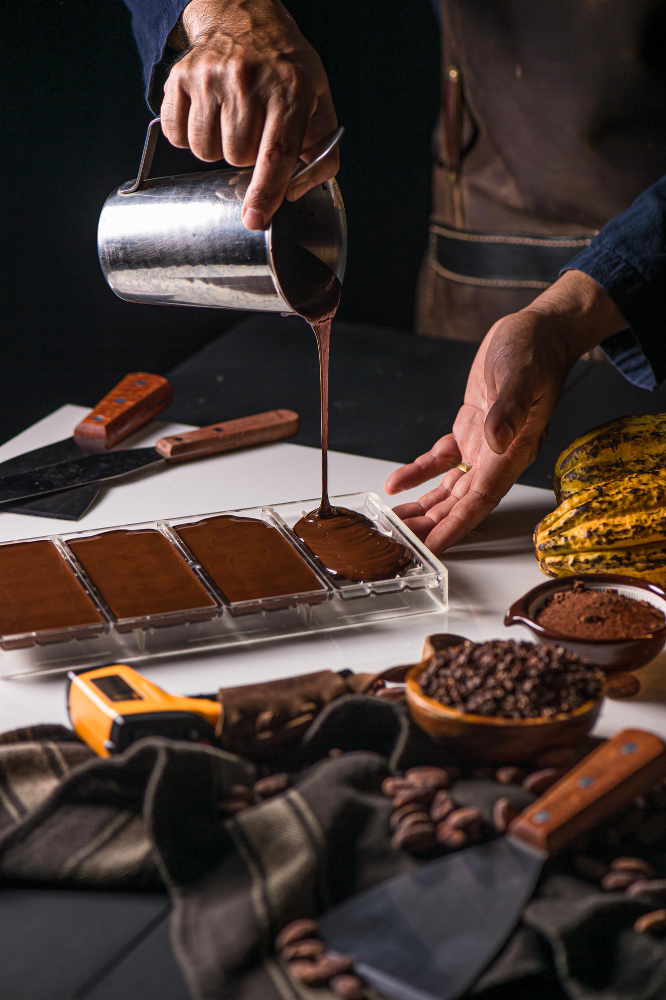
391 786
651 923
348 987
442 806
621 685
413 794
648 887
451 839
468 819
297 930
642 868
618 881
411 818
503 813
539 782
398 814
428 777
308 948
509 775
271 785
396 695
416 839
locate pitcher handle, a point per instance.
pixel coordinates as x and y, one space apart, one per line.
146 157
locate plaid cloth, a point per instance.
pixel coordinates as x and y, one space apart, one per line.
151 819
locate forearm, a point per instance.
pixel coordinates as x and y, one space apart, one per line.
585 314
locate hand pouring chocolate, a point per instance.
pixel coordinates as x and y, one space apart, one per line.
431 933
128 406
227 436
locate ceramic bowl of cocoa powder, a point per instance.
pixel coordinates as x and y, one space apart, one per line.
615 622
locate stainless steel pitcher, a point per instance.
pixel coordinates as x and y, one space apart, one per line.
180 241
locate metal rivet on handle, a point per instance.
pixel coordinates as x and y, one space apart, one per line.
541 817
119 399
98 418
585 782
140 381
628 747
218 430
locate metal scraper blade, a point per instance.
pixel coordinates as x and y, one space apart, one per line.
65 505
429 934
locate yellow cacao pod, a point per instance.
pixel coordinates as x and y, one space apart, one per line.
613 527
618 448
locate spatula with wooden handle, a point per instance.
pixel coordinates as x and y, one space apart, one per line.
133 402
429 934
229 435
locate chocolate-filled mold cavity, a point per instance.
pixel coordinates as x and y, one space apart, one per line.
351 547
40 592
248 559
140 573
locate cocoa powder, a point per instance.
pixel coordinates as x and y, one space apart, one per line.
584 613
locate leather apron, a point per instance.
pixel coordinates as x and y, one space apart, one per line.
553 120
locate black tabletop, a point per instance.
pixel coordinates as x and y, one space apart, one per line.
391 394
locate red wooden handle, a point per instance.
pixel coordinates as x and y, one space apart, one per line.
131 404
230 435
606 781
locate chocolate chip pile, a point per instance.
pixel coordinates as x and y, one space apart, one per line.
514 680
298 944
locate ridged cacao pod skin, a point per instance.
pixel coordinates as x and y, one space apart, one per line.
614 527
616 449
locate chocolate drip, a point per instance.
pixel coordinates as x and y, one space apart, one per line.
322 332
247 558
350 547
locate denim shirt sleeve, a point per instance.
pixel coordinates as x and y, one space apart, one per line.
628 259
152 21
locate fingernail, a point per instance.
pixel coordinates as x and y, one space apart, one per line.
298 191
504 436
253 219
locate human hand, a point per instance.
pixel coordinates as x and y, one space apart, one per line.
512 390
250 88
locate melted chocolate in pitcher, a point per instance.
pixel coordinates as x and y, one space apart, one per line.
345 542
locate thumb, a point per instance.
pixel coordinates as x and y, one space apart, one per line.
508 414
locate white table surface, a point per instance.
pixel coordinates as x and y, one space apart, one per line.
494 566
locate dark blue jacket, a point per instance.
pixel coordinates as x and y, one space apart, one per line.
627 258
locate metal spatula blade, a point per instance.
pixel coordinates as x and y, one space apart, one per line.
428 934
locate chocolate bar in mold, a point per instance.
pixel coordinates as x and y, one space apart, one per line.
40 593
251 563
139 574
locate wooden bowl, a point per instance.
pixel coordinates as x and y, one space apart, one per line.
607 654
490 739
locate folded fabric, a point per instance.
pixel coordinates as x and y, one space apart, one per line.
154 817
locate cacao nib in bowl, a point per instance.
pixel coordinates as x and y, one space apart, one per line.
475 677
627 653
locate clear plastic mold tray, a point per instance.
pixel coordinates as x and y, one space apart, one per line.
330 604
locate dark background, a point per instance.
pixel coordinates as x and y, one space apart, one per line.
75 119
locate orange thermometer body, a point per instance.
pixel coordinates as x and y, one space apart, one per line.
113 706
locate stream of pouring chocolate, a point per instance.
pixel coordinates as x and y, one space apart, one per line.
347 543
